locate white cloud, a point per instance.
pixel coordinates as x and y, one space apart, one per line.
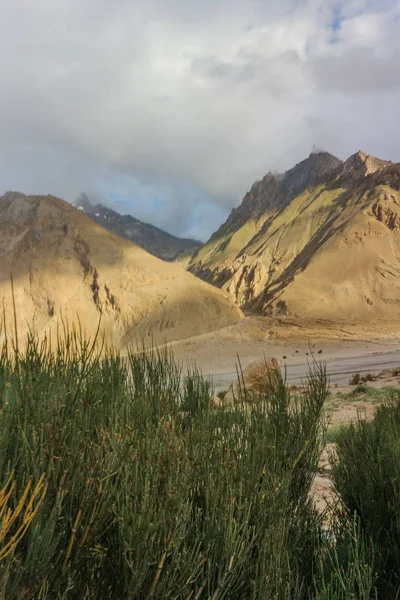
189 101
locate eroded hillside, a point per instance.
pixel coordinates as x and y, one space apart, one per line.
322 240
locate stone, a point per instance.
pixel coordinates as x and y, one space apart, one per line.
258 378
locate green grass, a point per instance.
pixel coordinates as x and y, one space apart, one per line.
311 203
366 393
333 433
151 492
232 243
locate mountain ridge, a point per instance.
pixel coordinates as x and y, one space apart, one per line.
269 246
256 202
158 242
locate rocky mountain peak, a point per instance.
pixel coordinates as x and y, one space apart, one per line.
10 196
361 164
310 171
84 203
287 246
275 190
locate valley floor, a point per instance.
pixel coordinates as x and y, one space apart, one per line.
347 348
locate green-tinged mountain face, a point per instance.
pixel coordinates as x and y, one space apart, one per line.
322 240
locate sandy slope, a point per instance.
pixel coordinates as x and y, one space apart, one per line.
67 267
357 273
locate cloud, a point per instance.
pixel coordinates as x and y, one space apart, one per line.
177 106
359 72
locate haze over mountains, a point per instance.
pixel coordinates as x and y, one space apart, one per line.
151 238
67 268
320 241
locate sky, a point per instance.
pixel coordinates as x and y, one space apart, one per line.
170 109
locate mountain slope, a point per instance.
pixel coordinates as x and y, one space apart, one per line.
150 238
321 241
65 266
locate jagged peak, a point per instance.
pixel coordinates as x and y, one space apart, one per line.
323 160
311 170
358 158
364 164
83 201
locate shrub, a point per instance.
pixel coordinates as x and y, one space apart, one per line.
367 477
221 394
355 380
368 377
151 493
345 570
360 389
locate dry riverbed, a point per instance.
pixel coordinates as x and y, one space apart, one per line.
346 349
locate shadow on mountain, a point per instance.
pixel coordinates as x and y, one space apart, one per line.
63 265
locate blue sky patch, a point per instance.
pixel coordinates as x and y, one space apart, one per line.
336 18
158 202
336 23
115 197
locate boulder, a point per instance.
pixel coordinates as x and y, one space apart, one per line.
260 377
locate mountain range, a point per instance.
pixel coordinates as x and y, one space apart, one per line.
150 238
319 241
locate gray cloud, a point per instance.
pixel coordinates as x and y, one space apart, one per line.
359 72
176 106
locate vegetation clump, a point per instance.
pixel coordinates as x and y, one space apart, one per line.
221 394
366 474
357 379
143 489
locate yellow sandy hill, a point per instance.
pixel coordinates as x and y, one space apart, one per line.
65 266
321 241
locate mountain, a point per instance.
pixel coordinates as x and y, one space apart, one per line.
320 241
150 238
66 267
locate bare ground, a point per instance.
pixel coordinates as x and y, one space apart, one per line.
292 343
